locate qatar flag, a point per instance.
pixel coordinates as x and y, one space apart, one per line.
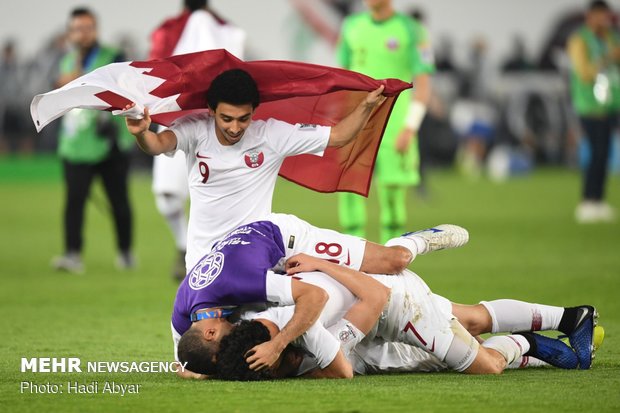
289 91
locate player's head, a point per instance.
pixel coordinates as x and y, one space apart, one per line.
232 98
193 5
82 28
199 345
231 364
599 16
378 4
235 87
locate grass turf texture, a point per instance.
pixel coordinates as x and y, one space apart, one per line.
524 244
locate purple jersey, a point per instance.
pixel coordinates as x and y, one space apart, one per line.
233 273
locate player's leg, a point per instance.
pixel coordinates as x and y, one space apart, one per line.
299 236
437 238
393 211
424 319
352 214
506 315
115 176
171 193
78 178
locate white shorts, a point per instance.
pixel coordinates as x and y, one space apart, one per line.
299 236
415 315
378 356
170 175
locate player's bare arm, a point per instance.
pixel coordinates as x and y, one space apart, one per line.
416 113
348 128
309 302
372 295
339 368
150 142
186 374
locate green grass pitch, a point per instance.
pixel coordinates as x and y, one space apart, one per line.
524 244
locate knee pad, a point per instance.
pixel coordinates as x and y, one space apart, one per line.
169 204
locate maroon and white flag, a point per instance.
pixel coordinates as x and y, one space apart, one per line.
290 91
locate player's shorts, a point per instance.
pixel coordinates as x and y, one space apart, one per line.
418 317
299 236
170 175
378 356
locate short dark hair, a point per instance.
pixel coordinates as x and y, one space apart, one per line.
235 86
599 5
82 11
231 364
193 5
197 352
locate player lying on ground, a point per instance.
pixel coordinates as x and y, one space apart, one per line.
378 356
238 271
416 316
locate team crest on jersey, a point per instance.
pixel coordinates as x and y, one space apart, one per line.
392 43
254 159
206 271
345 335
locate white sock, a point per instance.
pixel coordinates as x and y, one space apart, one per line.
511 347
416 245
513 315
526 361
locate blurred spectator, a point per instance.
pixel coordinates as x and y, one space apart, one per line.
474 116
12 107
383 43
92 143
518 61
594 51
444 60
41 76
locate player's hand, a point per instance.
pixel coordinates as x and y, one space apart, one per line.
263 356
403 140
138 126
302 263
375 97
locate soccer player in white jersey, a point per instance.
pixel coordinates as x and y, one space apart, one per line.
416 316
232 161
240 270
194 30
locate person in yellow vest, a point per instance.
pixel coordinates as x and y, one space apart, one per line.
594 51
91 144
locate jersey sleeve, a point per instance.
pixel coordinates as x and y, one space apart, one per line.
288 140
176 337
422 60
279 289
186 130
320 343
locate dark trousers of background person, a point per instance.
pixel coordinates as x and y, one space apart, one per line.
599 132
114 172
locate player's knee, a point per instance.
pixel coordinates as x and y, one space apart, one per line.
487 362
475 318
493 363
169 204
